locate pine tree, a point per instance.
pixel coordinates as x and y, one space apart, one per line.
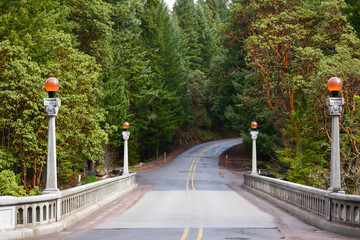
353 10
184 11
128 80
163 50
92 26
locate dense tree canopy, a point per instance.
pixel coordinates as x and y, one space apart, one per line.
207 65
292 48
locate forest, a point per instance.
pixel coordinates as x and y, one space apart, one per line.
202 70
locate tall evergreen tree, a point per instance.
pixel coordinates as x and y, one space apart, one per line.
166 60
353 11
92 27
184 11
129 79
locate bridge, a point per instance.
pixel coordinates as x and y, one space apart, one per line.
191 197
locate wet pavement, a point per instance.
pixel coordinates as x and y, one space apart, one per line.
193 198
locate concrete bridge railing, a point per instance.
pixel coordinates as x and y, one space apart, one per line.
23 217
330 211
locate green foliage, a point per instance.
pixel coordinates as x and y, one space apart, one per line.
22 125
7 160
25 23
128 81
184 11
34 191
319 177
353 11
168 83
91 179
298 173
199 24
92 26
9 185
39 47
79 117
201 65
292 48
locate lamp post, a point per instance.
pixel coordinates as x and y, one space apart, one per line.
254 134
335 104
52 105
126 135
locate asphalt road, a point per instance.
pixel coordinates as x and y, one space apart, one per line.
192 198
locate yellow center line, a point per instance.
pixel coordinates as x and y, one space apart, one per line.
192 170
188 178
186 231
200 234
187 181
192 179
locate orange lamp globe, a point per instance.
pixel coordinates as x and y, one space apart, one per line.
126 125
254 125
334 84
52 84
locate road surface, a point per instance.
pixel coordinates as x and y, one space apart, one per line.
192 198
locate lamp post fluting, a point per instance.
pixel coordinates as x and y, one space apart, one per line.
52 105
335 104
126 135
254 134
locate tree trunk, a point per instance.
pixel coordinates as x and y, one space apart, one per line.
38 176
24 179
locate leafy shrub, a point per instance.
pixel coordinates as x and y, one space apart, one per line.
9 186
90 179
35 191
7 160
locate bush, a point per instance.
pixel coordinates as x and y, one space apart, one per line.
90 179
9 186
7 160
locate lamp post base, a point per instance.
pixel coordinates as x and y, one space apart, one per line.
336 190
51 191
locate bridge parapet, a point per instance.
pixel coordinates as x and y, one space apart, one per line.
24 213
340 212
75 198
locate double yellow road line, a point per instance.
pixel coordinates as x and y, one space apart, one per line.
192 171
191 176
187 231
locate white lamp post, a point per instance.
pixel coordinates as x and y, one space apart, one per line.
254 135
126 135
52 105
335 104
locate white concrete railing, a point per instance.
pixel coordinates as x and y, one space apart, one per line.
339 208
28 212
